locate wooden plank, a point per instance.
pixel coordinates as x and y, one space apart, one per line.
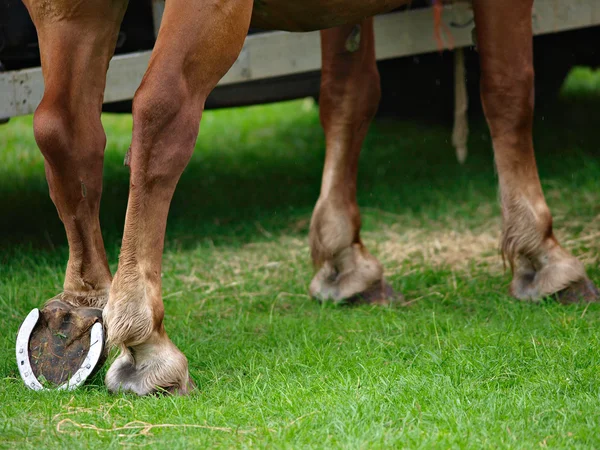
281 53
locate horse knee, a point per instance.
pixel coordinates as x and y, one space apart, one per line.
73 146
64 137
50 129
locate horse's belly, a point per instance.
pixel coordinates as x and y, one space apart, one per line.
295 15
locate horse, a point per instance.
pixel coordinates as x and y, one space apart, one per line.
197 43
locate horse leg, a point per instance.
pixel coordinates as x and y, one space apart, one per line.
350 94
76 44
196 45
541 267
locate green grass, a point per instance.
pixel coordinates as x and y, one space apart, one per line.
465 366
583 82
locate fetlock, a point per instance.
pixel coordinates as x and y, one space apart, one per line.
348 274
345 270
129 317
334 227
550 270
148 361
91 299
157 365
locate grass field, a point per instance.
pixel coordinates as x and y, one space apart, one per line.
465 366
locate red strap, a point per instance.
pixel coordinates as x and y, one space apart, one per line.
439 26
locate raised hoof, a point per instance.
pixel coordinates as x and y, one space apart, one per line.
378 294
60 346
583 291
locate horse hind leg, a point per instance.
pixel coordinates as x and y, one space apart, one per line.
541 267
350 93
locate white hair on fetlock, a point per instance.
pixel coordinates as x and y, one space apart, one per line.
91 299
149 368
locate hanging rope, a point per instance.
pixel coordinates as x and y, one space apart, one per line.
460 132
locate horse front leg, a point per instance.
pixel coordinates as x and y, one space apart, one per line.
197 44
76 44
76 40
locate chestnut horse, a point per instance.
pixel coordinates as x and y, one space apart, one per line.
198 42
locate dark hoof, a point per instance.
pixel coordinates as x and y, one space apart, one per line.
178 391
379 294
584 291
59 347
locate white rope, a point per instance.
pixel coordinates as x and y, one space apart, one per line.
460 133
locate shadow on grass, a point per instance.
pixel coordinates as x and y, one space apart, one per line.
244 180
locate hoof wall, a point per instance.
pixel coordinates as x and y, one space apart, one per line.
379 294
583 291
60 346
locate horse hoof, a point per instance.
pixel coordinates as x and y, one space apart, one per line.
154 367
583 291
60 346
380 293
